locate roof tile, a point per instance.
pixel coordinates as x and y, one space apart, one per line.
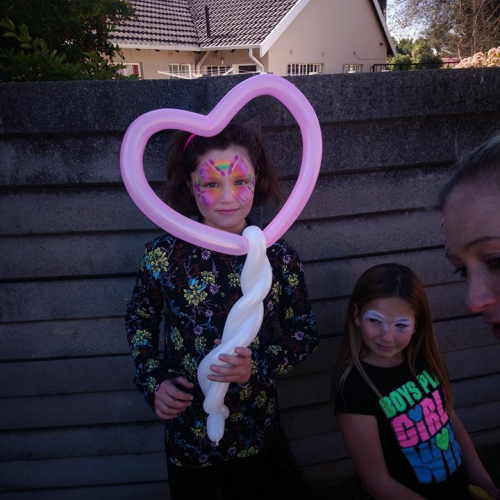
158 22
183 22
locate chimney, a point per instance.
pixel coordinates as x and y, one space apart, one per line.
207 21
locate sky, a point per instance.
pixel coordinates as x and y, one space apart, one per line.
394 30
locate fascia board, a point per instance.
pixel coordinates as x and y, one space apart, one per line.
270 40
383 24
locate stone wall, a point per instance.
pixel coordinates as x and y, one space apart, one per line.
72 425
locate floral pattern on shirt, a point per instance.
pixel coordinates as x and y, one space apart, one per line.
192 290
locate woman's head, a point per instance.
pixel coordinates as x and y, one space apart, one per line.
480 167
470 206
390 281
187 151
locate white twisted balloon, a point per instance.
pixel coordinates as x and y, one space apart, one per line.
242 325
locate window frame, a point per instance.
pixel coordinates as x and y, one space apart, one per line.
221 69
126 71
184 70
352 68
302 69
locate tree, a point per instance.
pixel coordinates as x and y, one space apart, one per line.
404 46
60 39
452 27
410 53
422 53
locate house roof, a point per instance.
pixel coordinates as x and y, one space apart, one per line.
240 23
201 25
159 24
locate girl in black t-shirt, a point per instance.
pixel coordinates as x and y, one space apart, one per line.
393 396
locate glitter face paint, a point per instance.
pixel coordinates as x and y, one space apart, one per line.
223 186
387 326
397 323
215 176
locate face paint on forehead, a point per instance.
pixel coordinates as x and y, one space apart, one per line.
372 314
223 167
211 168
240 167
225 171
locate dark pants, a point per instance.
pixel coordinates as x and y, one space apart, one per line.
242 478
271 475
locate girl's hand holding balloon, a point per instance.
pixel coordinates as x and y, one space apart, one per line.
235 368
171 399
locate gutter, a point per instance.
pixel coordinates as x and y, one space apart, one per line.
256 61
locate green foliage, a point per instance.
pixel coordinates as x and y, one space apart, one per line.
60 39
411 54
422 53
404 46
401 62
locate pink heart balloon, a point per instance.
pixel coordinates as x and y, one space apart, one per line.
142 128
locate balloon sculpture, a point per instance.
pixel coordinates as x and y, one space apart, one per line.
241 327
244 319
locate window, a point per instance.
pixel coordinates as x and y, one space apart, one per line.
304 69
180 70
353 68
131 69
247 68
216 70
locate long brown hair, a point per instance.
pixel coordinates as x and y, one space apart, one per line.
185 152
387 281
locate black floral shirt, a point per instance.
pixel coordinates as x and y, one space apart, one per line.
193 289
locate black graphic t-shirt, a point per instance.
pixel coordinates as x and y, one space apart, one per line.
416 435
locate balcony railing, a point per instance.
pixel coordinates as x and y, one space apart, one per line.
412 66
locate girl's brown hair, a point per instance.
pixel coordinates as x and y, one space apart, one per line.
185 152
387 281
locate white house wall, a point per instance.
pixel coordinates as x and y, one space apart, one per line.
328 32
152 61
333 33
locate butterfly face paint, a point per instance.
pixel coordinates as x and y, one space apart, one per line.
223 185
220 178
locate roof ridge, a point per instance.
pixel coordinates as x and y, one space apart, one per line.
231 23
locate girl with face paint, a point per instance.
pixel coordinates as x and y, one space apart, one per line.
218 180
392 396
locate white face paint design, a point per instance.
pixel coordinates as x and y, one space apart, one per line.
376 316
387 326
